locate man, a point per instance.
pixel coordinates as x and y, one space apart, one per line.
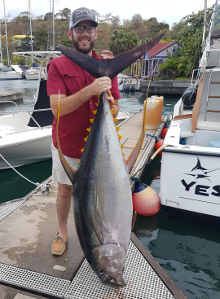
78 92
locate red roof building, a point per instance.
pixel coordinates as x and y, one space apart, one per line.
155 56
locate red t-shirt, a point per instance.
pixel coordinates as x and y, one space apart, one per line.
65 77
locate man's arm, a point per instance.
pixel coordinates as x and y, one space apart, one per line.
74 101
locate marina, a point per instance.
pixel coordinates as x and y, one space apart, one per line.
170 255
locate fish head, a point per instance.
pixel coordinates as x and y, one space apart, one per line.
110 261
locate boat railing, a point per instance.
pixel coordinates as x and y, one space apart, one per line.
6 112
191 82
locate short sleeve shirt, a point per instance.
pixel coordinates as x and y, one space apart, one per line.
65 77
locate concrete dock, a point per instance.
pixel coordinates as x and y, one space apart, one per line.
27 227
11 96
163 87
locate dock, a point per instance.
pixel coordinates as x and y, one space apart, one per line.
11 96
28 270
163 87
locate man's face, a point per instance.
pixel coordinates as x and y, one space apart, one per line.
83 42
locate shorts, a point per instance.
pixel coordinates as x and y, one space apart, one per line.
58 172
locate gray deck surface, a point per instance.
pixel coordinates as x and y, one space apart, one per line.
27 233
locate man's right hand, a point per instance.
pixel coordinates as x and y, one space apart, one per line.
100 85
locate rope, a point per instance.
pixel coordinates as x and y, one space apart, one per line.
44 187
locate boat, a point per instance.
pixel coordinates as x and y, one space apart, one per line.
34 73
14 72
190 165
127 83
26 136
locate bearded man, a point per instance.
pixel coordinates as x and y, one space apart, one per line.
78 92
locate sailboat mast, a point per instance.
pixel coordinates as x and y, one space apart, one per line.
29 7
204 26
6 33
53 28
1 40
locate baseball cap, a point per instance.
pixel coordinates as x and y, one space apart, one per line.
82 14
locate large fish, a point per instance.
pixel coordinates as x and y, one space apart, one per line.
102 196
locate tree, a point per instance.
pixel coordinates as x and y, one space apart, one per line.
48 16
190 38
172 65
64 14
122 41
115 22
136 21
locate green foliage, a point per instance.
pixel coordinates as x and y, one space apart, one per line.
190 38
40 38
122 41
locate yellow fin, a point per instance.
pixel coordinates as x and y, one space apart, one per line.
92 120
117 128
115 120
113 112
89 129
86 138
122 146
82 150
95 111
119 137
97 104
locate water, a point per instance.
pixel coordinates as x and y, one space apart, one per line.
188 252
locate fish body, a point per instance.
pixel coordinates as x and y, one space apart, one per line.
102 199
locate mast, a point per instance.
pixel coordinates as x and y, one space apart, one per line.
29 7
204 26
6 33
1 40
53 27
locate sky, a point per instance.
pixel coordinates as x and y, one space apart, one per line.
169 11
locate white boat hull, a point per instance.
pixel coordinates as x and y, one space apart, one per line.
11 76
22 145
187 188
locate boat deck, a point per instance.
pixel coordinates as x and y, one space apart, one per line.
29 270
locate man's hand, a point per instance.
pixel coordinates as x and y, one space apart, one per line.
100 85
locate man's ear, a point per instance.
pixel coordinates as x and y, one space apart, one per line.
69 33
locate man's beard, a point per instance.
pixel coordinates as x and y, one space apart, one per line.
85 51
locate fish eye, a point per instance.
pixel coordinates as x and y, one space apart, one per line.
101 272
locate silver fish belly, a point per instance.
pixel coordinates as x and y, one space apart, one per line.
103 200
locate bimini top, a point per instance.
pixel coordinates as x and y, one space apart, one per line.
38 55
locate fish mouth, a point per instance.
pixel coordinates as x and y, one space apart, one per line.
119 280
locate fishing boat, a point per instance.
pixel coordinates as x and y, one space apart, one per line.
26 136
190 166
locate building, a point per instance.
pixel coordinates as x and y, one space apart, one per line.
155 56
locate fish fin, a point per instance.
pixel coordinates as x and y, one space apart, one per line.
133 220
134 154
108 67
69 170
